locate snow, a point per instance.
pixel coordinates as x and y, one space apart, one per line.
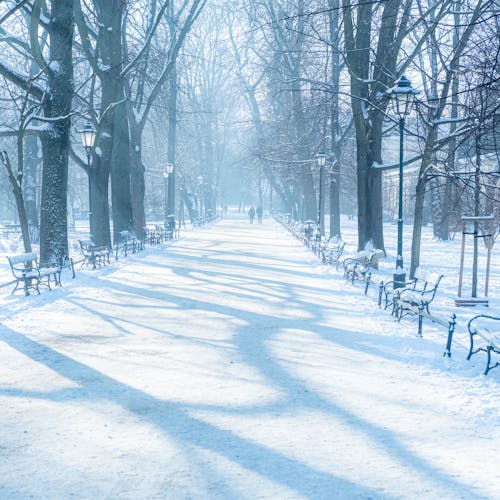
103 67
232 364
55 66
364 110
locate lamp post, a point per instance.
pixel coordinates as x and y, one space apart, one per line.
88 135
321 158
171 188
334 173
166 185
402 96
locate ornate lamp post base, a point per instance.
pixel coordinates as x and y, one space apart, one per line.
399 279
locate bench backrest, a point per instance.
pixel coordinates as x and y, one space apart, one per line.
375 256
369 257
125 236
86 244
426 280
23 263
23 258
488 326
362 256
366 258
335 241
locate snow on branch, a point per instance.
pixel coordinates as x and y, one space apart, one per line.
147 42
24 82
12 10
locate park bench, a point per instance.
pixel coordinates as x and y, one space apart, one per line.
488 329
29 275
64 262
317 242
417 294
60 263
171 228
127 243
358 267
155 235
297 230
11 230
332 250
307 232
93 255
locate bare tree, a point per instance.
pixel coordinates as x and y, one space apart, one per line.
434 119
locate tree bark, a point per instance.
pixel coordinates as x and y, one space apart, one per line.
367 101
55 141
15 182
334 177
432 133
137 183
172 138
30 181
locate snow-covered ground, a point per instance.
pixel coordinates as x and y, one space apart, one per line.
231 364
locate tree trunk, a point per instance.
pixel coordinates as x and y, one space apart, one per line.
334 178
137 183
120 174
99 184
172 120
188 201
172 139
432 133
109 16
113 139
417 226
15 182
368 126
55 142
30 182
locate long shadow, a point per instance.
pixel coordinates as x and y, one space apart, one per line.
34 301
170 419
249 455
248 344
316 311
204 259
190 267
252 348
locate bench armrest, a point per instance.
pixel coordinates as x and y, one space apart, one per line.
409 285
349 262
411 295
472 326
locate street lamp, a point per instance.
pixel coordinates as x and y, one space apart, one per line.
321 158
88 135
402 96
166 181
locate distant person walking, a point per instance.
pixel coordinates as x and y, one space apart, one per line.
251 214
259 214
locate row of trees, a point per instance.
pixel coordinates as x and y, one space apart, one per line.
103 60
246 93
316 76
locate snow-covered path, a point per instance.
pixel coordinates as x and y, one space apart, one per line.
231 365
